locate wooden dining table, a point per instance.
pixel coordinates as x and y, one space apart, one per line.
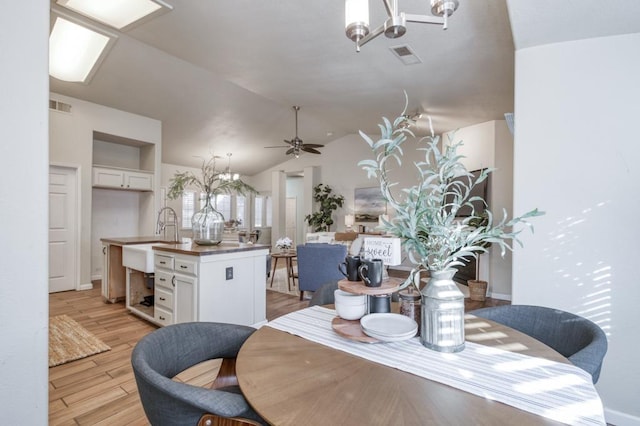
289 380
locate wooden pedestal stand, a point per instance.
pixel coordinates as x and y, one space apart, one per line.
351 329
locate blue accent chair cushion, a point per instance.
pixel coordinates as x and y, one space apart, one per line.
318 265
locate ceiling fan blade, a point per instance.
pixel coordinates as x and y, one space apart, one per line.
311 150
291 142
313 145
277 146
290 151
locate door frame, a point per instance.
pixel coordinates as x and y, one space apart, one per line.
77 169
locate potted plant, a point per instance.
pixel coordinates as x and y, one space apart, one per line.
207 224
323 218
425 220
284 244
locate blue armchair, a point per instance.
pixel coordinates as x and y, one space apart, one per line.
318 265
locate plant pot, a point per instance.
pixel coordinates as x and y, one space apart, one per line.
442 313
477 290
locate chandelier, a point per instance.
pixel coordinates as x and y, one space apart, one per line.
227 175
357 19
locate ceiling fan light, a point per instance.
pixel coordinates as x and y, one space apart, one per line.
356 17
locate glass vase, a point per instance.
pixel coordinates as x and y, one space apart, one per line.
442 313
207 225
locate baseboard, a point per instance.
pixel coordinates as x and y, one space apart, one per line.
96 277
88 286
618 418
500 296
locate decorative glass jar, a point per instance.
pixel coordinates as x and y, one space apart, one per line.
410 305
442 313
207 225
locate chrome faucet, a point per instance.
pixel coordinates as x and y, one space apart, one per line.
161 226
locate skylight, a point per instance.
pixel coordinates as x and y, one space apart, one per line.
116 13
74 51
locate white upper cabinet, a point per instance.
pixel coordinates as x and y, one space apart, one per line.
132 180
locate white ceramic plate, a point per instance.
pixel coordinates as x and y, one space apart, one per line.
391 326
384 338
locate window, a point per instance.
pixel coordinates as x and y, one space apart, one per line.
258 209
268 212
188 208
240 210
223 205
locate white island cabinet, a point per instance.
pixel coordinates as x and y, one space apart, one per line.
224 283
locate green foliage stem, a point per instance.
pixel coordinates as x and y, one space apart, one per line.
211 182
425 213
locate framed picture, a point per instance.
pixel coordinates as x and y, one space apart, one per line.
369 204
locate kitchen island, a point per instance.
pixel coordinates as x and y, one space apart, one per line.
113 272
190 282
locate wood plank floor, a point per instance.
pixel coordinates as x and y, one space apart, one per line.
101 389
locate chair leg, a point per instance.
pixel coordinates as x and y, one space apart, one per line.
301 293
226 374
213 420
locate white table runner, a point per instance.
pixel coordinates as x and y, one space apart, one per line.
562 392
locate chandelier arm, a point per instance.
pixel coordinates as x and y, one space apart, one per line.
392 9
373 34
424 19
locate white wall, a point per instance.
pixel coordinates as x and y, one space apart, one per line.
576 157
71 142
295 189
484 145
24 173
336 167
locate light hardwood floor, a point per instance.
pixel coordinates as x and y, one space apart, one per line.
101 389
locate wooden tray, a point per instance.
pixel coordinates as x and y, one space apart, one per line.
351 330
357 287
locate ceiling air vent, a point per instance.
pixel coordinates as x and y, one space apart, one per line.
406 55
59 106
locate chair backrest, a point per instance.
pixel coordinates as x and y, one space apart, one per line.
578 339
324 295
165 352
318 264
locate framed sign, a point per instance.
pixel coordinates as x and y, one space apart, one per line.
369 204
385 248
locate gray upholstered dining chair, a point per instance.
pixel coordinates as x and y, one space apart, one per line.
324 295
578 339
166 352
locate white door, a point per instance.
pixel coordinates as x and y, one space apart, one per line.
290 219
62 228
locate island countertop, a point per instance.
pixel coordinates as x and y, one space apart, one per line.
123 241
193 249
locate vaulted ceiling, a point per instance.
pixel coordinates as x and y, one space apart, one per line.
223 75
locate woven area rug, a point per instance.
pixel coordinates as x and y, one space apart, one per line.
280 282
69 341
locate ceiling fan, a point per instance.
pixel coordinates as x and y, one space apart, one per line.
296 145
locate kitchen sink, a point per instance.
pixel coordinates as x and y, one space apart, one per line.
138 256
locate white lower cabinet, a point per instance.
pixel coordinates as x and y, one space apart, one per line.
175 289
228 287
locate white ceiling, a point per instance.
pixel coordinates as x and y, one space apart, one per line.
223 75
